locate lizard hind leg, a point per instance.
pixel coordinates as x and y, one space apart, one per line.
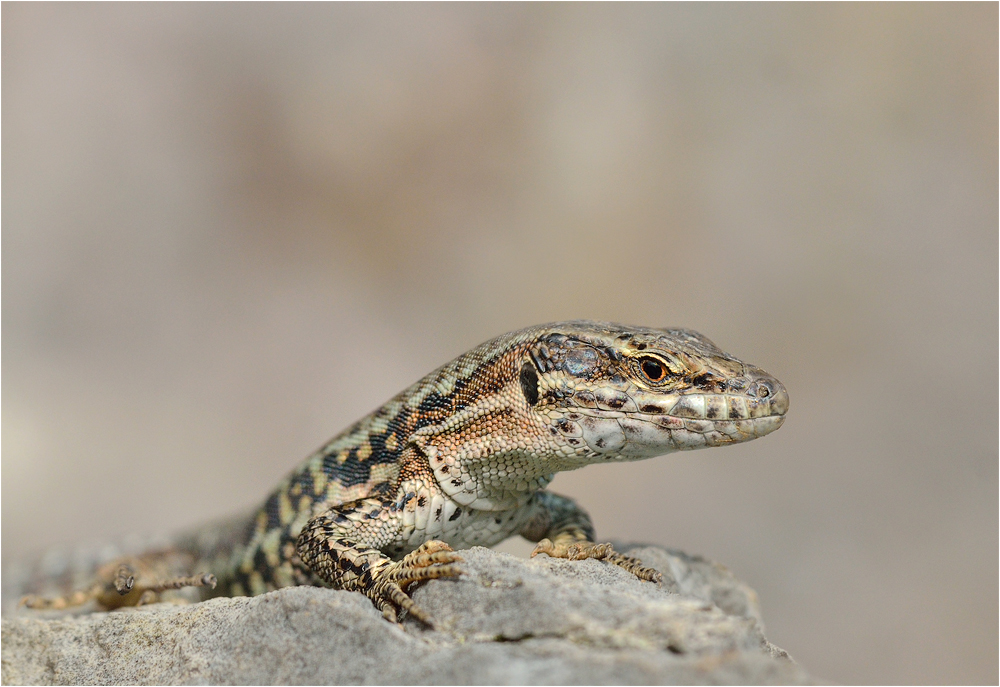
149 592
124 582
106 585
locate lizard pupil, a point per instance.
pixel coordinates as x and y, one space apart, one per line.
653 369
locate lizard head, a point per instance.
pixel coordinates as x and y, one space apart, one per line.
614 392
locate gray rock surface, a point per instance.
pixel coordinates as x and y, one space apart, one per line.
508 621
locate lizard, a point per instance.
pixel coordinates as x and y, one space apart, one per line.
463 458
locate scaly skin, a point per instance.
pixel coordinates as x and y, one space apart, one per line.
462 458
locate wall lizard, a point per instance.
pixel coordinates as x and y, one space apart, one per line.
462 458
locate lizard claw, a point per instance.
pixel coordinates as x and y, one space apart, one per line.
388 590
582 550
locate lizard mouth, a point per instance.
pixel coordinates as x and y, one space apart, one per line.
754 406
651 425
684 434
642 435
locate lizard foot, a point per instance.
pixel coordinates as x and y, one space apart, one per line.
433 559
583 550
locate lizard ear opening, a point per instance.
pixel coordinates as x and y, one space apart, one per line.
529 383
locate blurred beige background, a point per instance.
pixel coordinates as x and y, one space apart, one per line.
231 230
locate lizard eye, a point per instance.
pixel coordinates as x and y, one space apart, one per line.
653 369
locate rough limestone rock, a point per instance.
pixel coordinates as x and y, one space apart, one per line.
508 621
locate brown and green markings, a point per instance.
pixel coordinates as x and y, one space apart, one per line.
462 458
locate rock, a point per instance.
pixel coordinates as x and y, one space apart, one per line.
507 621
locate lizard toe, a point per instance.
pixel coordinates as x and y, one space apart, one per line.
429 554
579 551
389 587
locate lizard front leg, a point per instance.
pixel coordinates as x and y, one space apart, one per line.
343 548
564 530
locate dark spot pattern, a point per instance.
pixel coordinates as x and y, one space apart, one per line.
529 384
703 381
615 402
260 563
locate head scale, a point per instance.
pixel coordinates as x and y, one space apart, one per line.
615 392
